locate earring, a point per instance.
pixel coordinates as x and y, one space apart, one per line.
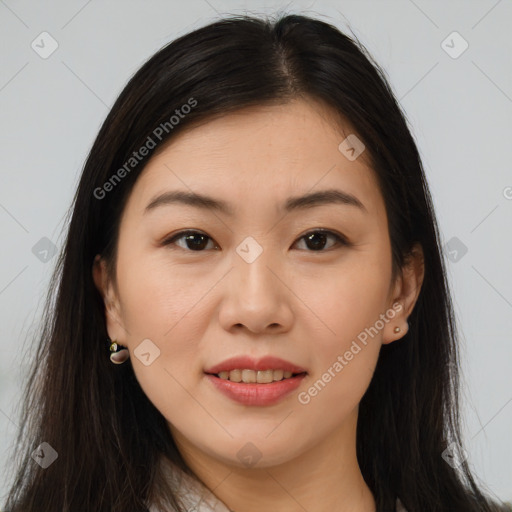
397 329
118 355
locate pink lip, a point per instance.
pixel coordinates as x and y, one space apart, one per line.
247 363
256 394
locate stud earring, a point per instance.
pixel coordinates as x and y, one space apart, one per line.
397 329
118 355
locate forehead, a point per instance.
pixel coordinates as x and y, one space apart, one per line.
265 153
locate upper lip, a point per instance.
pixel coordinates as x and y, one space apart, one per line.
248 363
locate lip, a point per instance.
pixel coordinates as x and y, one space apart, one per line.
248 363
256 394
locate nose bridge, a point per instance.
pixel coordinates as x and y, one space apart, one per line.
255 297
253 264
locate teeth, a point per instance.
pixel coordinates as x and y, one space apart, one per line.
234 375
250 376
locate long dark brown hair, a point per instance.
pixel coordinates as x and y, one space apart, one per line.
107 434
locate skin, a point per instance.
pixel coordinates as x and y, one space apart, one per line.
299 303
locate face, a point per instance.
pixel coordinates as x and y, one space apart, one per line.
308 282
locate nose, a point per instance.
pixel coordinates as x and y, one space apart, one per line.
257 296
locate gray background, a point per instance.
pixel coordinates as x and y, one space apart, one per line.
459 111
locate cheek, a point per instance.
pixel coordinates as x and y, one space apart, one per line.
345 314
347 345
165 307
346 299
161 300
332 396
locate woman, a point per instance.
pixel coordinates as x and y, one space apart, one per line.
259 366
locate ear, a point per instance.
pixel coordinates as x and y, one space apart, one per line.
115 328
405 294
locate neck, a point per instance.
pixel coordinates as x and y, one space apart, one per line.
323 478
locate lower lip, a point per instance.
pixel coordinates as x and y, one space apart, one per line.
256 394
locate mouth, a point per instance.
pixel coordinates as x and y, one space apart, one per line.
255 387
247 376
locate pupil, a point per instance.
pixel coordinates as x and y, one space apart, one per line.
196 246
312 235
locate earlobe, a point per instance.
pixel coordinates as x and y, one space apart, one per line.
406 292
397 325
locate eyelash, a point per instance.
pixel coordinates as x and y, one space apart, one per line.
340 239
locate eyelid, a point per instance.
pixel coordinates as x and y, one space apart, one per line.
326 231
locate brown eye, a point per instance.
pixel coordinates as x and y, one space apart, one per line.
316 240
194 240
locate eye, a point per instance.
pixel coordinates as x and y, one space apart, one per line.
316 239
197 241
194 240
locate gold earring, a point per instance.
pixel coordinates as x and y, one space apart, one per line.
397 329
118 355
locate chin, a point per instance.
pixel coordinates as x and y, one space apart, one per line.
247 452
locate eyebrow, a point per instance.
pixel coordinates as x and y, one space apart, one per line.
311 200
